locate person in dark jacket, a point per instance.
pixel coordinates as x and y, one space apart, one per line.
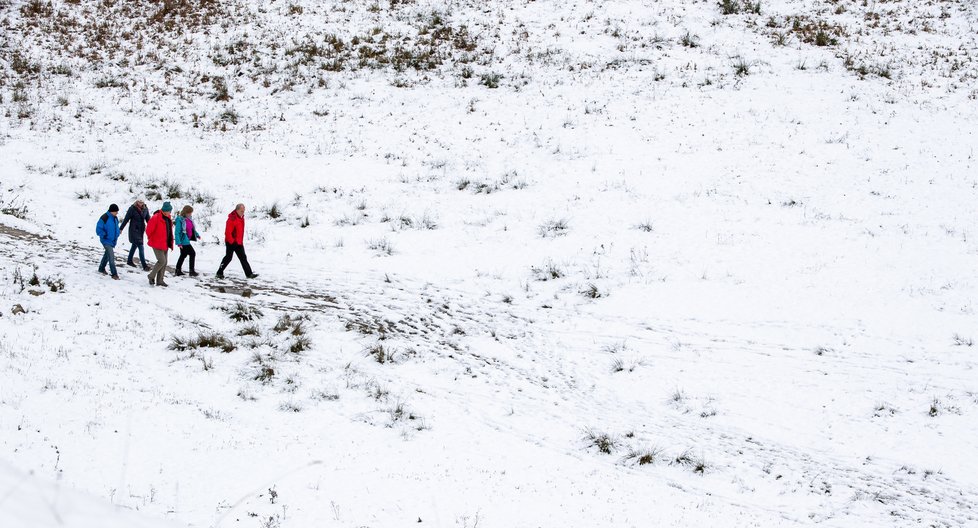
108 231
136 218
185 232
159 233
234 242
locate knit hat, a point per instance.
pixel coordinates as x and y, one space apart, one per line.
166 207
113 208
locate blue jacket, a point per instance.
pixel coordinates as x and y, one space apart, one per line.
180 237
107 229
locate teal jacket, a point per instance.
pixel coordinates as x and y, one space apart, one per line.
181 237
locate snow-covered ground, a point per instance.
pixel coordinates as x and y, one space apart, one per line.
522 264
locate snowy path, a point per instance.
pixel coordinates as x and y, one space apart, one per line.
545 360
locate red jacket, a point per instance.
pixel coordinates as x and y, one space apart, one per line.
159 232
234 231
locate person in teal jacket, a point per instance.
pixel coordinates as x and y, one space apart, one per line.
184 233
108 232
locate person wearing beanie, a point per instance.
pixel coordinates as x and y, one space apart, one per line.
159 233
234 242
136 218
185 233
108 231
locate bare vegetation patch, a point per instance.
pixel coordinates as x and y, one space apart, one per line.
381 354
241 312
695 463
548 271
292 323
554 228
605 443
808 29
202 340
643 457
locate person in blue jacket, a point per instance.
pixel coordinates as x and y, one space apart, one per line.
108 232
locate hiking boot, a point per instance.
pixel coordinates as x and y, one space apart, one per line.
252 275
103 272
220 275
161 283
147 268
116 277
152 282
131 264
194 274
178 273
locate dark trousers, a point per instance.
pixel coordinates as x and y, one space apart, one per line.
230 251
108 257
132 253
187 251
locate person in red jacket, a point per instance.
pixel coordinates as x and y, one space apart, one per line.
159 232
234 242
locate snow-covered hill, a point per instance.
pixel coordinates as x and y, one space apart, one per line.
28 501
522 263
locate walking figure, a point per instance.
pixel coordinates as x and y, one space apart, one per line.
234 242
136 217
185 233
159 232
108 231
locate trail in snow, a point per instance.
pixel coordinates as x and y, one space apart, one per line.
538 363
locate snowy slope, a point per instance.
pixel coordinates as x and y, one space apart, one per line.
678 268
27 501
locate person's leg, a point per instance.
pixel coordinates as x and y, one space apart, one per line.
183 255
154 273
240 251
110 254
142 256
132 251
228 253
193 259
164 256
105 259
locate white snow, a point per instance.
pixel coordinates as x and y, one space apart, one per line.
762 283
28 501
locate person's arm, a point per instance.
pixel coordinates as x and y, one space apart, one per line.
100 229
125 220
181 228
150 228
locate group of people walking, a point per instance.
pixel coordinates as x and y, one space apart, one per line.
162 232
